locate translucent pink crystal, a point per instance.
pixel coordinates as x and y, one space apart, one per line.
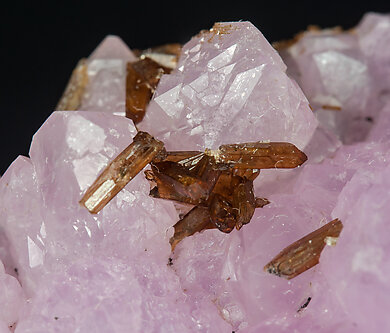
11 299
106 89
230 86
114 271
344 74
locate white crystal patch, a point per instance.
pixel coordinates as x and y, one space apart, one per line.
83 135
35 254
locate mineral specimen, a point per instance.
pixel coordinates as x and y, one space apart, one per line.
66 270
142 79
121 170
304 253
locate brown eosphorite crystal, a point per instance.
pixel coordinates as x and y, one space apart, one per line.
121 170
141 81
305 252
74 91
219 184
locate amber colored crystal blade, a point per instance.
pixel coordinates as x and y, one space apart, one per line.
141 81
244 203
74 91
196 220
194 192
191 185
226 183
304 253
185 158
222 213
121 170
259 155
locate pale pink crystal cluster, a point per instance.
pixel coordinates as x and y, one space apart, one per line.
66 270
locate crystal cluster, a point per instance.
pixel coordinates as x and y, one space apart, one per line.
64 269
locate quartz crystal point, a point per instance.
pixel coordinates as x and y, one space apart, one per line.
343 77
106 70
121 170
229 86
84 272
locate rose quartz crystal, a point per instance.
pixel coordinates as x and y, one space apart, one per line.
230 86
345 71
106 89
114 271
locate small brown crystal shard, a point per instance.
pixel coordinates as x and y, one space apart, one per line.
222 213
261 202
259 155
142 79
305 252
191 185
196 220
121 170
244 203
74 91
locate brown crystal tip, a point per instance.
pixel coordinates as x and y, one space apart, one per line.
305 252
74 91
121 170
141 82
259 155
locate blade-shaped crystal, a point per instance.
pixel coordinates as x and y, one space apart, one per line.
74 91
196 220
121 170
244 203
259 155
185 184
304 253
142 79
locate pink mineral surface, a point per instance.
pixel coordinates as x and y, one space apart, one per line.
66 270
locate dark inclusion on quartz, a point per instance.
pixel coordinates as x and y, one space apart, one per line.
218 184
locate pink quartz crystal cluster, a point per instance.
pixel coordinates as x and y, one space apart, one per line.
63 269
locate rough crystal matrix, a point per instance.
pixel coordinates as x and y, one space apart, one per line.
66 270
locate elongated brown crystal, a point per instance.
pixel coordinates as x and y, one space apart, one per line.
304 253
222 213
74 91
244 203
191 185
185 158
196 220
259 155
121 170
226 184
142 79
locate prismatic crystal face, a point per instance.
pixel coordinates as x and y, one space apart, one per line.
229 86
189 205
